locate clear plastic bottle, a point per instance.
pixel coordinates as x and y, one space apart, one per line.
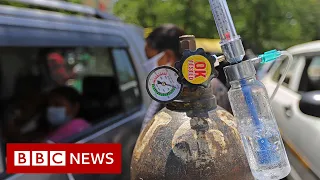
258 128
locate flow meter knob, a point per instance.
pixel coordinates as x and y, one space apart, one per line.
196 68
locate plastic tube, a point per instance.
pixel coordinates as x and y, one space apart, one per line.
290 58
231 43
223 20
246 90
265 155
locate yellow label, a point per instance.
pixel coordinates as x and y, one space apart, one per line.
196 69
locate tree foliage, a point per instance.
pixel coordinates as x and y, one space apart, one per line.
262 24
75 1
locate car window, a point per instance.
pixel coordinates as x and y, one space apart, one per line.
281 69
104 78
127 77
2 158
85 62
314 74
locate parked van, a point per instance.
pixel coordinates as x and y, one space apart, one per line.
96 54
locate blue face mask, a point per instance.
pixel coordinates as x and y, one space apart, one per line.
57 115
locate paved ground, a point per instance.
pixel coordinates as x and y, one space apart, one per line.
299 171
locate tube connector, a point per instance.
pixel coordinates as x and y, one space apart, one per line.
270 56
233 50
235 72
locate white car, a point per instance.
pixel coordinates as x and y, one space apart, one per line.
297 108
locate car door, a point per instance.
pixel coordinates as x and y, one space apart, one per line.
19 98
308 144
299 131
126 129
109 85
285 102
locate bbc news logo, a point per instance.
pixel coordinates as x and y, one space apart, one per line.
39 158
58 158
64 158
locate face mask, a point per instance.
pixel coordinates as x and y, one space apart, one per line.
168 64
57 115
153 62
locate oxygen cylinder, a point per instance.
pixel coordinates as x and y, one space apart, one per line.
192 137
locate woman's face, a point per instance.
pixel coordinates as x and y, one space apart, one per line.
56 100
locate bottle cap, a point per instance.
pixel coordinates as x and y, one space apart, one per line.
245 69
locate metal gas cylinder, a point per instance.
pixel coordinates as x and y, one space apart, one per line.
191 138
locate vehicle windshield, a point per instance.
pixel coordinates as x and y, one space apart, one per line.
314 73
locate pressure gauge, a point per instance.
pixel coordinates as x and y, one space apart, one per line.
163 85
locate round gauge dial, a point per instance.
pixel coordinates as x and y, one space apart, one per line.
163 85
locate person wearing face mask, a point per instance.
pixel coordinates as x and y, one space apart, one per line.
163 48
62 113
